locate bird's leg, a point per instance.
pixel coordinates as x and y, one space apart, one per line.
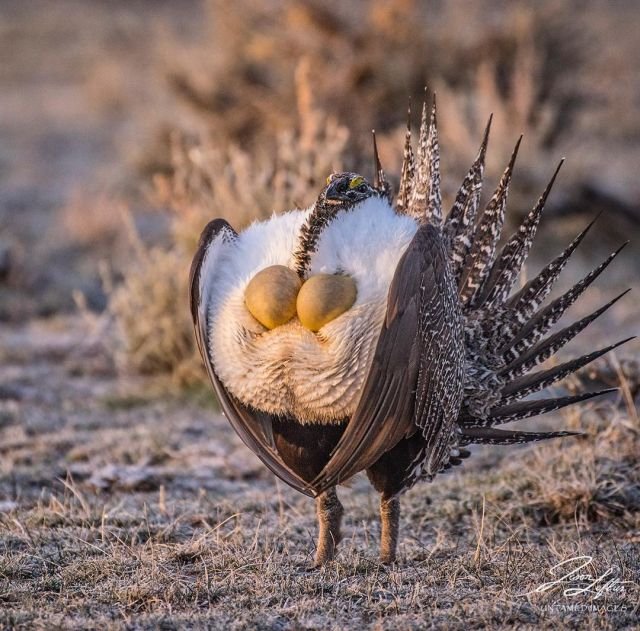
390 522
329 511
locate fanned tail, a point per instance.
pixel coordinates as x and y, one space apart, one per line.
505 332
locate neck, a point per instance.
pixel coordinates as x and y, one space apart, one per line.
321 216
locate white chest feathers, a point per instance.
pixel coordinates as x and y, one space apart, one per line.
290 370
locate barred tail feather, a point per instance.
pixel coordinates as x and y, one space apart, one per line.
542 321
531 296
417 207
509 263
485 239
425 203
545 349
434 200
526 409
491 436
408 170
534 382
380 179
461 219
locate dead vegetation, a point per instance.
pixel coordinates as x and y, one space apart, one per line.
538 70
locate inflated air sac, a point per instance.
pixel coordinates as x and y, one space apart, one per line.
323 298
271 295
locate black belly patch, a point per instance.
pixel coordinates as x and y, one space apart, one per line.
306 448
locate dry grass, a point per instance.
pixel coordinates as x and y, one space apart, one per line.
140 510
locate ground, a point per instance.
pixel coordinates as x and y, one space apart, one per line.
126 508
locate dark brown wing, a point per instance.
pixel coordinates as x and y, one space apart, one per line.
415 381
253 427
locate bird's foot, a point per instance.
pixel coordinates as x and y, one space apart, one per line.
390 523
327 547
329 512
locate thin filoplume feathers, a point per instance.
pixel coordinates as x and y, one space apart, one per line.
435 352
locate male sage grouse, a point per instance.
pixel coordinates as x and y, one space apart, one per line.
359 335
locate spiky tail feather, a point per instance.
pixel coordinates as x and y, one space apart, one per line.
505 333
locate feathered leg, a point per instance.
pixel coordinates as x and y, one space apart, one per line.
390 522
329 511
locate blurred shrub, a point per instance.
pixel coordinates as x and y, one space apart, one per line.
525 64
153 322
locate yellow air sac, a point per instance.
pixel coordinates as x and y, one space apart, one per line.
271 294
323 298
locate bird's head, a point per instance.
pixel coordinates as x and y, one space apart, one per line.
345 190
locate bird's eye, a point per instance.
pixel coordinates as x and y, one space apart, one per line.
362 188
356 182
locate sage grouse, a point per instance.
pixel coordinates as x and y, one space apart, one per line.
359 335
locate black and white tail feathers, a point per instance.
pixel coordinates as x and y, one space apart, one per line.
504 331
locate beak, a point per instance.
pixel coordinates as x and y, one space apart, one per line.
333 194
